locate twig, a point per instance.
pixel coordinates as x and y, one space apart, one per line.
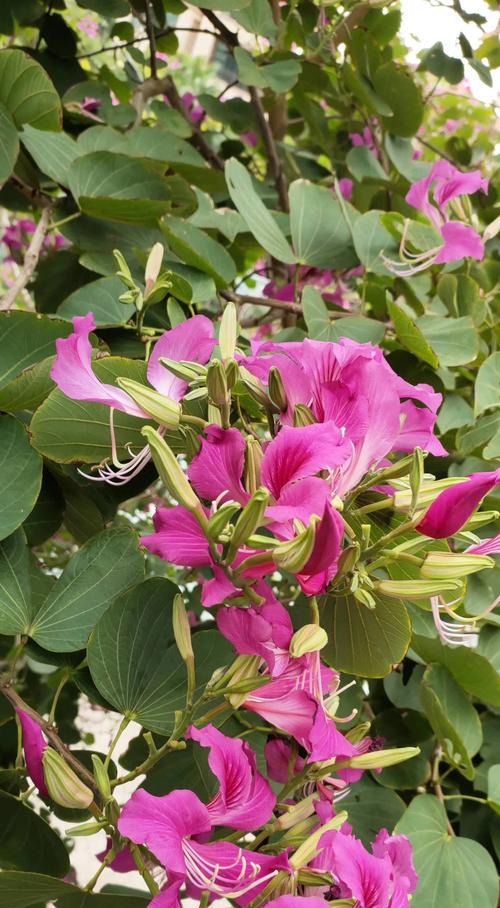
51 734
151 38
438 791
344 31
30 261
283 305
437 150
275 167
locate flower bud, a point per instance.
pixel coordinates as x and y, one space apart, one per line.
185 370
213 415
297 814
232 371
364 597
64 786
167 412
308 639
254 387
182 630
217 384
416 477
253 460
170 470
228 332
429 490
444 565
101 776
379 759
356 734
242 669
124 271
295 553
250 518
85 829
219 521
276 388
153 266
192 443
417 589
307 851
302 416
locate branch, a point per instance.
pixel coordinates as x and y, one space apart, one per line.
344 31
30 260
241 298
51 734
151 38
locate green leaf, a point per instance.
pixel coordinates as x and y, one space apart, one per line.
371 239
364 641
437 62
29 389
255 214
494 786
370 807
9 144
25 339
20 475
53 153
279 77
470 670
364 165
316 316
453 871
27 842
454 413
196 248
141 142
134 667
207 216
487 387
226 6
410 336
102 569
256 18
101 298
190 764
23 890
454 341
473 437
400 152
15 584
453 718
119 188
396 87
190 285
320 234
27 92
74 431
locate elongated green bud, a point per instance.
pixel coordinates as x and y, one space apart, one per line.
101 776
170 470
302 416
181 628
365 597
228 332
86 829
254 387
307 851
191 440
253 461
402 499
348 559
219 521
64 786
153 266
217 383
416 477
295 553
186 370
308 639
250 518
297 814
244 668
232 371
445 565
378 759
167 412
417 589
356 734
124 271
276 388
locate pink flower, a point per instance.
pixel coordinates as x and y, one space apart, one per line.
264 631
364 138
278 754
346 187
486 547
453 507
433 196
451 126
250 138
88 27
34 745
90 105
170 826
245 800
333 288
192 108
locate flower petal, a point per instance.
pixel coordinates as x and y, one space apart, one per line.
34 745
453 507
217 469
460 241
192 340
297 453
178 538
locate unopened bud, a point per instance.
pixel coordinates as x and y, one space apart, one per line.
232 371
428 492
86 829
243 668
298 813
101 776
250 518
253 461
295 553
213 415
124 271
217 384
219 521
302 416
170 470
307 851
356 734
166 411
296 835
64 786
254 387
416 477
192 443
308 639
184 369
181 628
379 759
444 565
228 332
364 597
153 266
276 388
417 589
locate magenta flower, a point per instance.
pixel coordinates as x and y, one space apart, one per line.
245 800
486 546
278 754
433 196
453 507
264 631
365 138
34 745
346 186
170 826
88 27
333 289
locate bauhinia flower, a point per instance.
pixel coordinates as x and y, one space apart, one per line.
34 745
192 340
441 190
451 510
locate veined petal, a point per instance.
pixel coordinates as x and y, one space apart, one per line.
168 897
178 538
360 875
192 340
453 507
217 469
263 631
72 371
460 241
297 453
486 547
418 430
